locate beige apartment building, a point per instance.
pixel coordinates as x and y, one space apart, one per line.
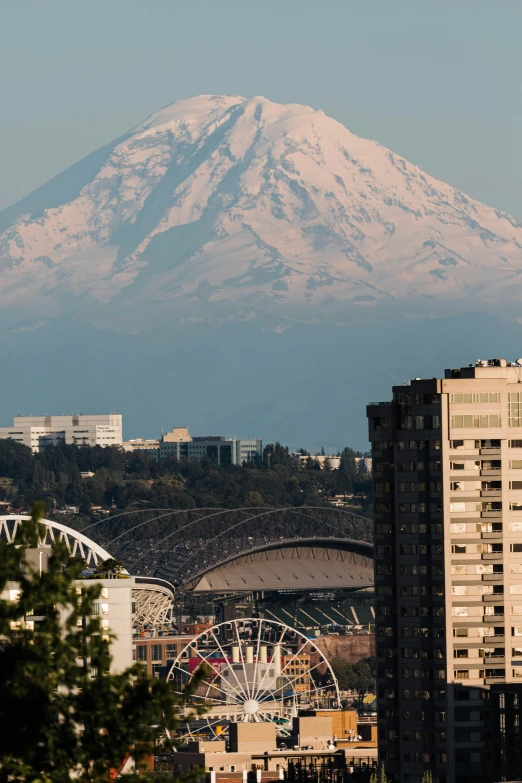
447 459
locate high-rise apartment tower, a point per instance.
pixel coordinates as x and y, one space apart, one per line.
447 458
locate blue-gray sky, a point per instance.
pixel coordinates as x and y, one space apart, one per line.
438 81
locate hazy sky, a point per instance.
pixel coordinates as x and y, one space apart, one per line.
438 81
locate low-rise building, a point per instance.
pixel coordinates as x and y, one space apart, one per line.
158 652
254 752
179 444
224 451
39 432
297 673
139 444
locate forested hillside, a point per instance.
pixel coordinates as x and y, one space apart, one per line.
132 479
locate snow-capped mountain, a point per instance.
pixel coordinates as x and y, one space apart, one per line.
219 206
243 266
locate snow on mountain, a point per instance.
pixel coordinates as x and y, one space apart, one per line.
219 204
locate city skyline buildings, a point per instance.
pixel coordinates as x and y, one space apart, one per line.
38 432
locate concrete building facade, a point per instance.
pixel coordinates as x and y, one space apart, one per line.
139 444
115 610
38 432
114 607
179 444
157 653
255 753
225 451
447 476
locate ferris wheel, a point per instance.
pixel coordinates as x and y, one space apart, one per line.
260 671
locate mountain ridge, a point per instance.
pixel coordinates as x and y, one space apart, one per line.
245 203
238 264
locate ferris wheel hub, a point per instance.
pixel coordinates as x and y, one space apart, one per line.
250 707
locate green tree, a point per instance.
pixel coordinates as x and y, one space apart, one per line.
108 568
276 454
347 472
64 717
312 464
365 680
345 674
379 776
254 499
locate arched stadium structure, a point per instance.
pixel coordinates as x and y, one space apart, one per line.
306 564
153 598
263 551
247 548
311 565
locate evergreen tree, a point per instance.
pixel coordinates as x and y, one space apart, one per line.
347 472
63 716
379 776
276 454
365 678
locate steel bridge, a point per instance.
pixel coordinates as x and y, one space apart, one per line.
184 547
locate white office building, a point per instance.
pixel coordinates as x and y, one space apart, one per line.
38 432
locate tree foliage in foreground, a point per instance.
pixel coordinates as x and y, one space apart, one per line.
63 716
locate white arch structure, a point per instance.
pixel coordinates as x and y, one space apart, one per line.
153 598
77 544
153 602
